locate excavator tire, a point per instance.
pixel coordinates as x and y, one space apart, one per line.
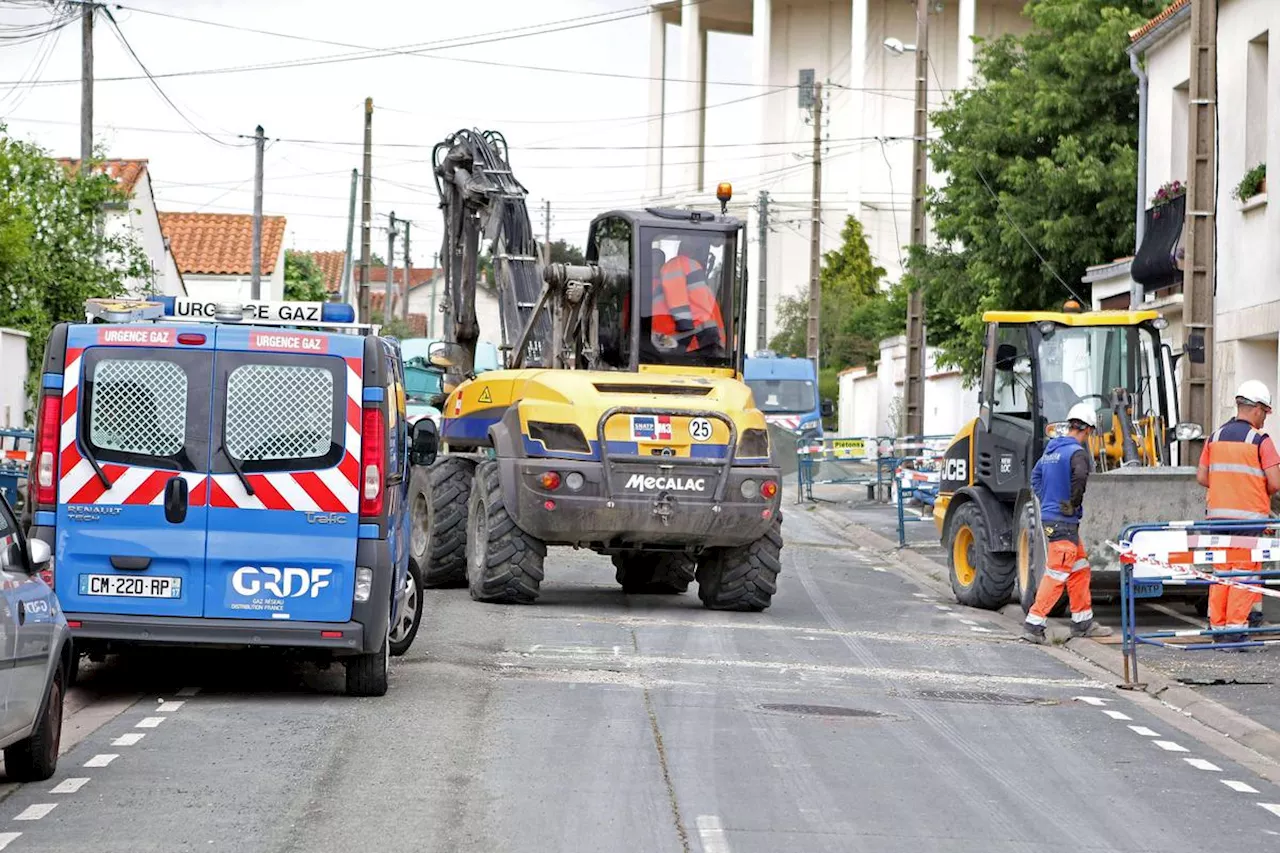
654 572
504 564
447 491
742 578
979 578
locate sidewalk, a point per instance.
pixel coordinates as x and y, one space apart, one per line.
1242 690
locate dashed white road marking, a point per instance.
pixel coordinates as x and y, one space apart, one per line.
980 629
1201 764
964 621
1274 808
1170 746
942 607
35 812
7 838
128 739
1240 787
919 595
711 833
1144 731
878 569
69 786
1091 700
150 722
1117 715
168 706
101 760
188 691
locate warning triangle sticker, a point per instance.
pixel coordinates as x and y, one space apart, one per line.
485 396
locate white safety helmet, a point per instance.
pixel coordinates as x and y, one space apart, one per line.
1084 413
1255 392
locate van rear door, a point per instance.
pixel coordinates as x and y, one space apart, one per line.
134 456
283 496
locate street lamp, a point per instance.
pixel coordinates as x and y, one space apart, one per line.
896 47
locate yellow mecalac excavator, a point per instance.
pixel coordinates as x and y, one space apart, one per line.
620 422
1036 366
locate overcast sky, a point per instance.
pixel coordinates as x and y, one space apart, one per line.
418 100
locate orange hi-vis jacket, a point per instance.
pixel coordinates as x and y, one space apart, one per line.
1237 479
684 306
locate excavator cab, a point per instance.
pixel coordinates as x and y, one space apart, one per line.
1036 366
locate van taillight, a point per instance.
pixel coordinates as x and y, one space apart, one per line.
50 428
373 440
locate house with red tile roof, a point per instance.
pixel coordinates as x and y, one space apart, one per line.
214 252
139 215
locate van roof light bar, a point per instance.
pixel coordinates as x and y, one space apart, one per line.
329 315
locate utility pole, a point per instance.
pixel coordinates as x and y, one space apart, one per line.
914 386
546 230
255 275
404 298
435 281
815 230
762 322
390 268
344 286
86 86
366 211
1201 264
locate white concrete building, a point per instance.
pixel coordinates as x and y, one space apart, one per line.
871 403
13 378
1247 305
868 104
140 217
214 253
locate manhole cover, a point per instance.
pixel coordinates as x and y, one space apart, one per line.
822 711
982 697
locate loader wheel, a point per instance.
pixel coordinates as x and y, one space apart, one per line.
978 577
442 498
504 564
744 577
1032 553
654 572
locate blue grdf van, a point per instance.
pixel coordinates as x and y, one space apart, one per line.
786 390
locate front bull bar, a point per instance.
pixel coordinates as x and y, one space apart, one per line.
607 459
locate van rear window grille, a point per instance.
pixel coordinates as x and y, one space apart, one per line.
279 411
139 406
675 390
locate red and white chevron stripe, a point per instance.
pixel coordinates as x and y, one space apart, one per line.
329 490
791 422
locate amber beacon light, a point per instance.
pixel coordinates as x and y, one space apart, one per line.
724 192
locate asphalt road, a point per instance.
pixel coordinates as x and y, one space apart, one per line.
859 713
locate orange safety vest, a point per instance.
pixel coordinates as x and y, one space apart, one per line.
683 304
1237 481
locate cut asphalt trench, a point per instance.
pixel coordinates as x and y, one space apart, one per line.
859 713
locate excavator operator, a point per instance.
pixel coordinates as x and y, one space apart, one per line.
686 313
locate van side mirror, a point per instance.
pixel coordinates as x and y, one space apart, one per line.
828 408
39 554
426 442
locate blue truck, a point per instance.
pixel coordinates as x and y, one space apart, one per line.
786 391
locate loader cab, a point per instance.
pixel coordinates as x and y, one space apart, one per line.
1037 365
677 295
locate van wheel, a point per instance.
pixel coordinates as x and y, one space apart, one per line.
979 578
744 577
367 675
654 572
504 564
446 494
406 625
35 758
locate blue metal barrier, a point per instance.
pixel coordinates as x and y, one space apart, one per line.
15 458
1181 568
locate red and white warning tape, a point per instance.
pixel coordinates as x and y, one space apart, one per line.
1189 572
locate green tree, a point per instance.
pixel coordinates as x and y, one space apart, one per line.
1042 152
54 254
303 278
857 312
565 253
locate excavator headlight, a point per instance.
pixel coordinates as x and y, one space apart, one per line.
1188 432
1160 324
567 437
754 443
1047 328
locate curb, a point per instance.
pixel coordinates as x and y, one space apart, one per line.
1178 697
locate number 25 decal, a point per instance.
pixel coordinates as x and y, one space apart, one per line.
700 429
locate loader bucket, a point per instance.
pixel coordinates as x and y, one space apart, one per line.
1133 495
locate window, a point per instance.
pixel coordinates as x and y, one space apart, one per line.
1255 128
146 407
611 249
687 279
784 396
1011 377
1181 114
282 412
